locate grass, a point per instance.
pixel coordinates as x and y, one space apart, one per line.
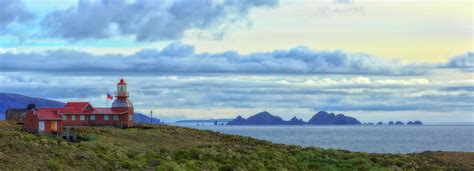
176 148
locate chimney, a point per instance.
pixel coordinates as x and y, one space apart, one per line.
31 106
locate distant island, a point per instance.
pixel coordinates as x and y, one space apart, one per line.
395 123
204 120
398 123
320 118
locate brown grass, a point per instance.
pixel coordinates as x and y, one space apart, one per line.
175 148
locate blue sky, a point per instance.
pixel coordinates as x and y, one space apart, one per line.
375 60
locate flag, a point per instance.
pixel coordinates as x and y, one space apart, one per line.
109 96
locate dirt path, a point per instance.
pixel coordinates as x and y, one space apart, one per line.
461 158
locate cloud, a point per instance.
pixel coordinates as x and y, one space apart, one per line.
400 99
147 20
7 50
344 1
341 7
462 61
211 93
11 12
181 58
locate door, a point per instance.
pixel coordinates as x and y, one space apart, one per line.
41 126
54 126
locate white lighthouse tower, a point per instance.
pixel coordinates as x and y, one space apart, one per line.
123 103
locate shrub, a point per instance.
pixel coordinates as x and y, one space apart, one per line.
129 164
182 154
145 126
53 165
227 167
170 166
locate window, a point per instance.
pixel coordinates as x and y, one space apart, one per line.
130 117
64 117
88 107
73 117
106 117
116 118
92 117
83 117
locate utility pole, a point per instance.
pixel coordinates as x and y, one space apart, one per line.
151 117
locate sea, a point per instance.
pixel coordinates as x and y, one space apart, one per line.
360 138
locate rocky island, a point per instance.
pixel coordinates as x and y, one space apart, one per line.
262 118
324 118
320 118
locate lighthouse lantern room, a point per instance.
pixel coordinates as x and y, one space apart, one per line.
122 96
122 89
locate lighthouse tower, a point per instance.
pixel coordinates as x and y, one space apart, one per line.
123 103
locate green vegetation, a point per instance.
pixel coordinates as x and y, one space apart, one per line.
176 148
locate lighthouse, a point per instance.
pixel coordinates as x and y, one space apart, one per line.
122 102
73 114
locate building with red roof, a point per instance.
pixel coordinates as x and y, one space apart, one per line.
74 114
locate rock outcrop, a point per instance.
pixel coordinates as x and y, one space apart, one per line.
237 121
324 118
414 123
296 121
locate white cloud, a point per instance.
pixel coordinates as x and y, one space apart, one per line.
181 58
414 81
427 93
172 92
147 20
8 50
465 61
357 81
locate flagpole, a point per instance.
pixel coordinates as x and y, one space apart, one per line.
151 117
107 94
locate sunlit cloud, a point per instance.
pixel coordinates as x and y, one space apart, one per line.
181 58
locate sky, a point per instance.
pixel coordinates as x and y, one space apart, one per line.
200 59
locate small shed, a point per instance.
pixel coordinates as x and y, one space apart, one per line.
16 114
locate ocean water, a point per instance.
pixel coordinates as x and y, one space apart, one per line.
373 139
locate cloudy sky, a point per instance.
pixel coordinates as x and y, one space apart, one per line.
374 60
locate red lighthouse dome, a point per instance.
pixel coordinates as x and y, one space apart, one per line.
122 82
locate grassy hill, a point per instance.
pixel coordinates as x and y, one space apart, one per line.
163 147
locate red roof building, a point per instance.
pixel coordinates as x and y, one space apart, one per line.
73 114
